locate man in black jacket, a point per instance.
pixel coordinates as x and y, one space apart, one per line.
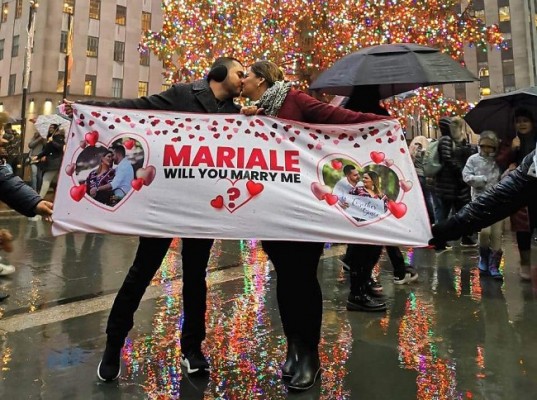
212 95
22 198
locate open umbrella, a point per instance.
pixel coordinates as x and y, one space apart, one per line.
497 112
394 68
43 122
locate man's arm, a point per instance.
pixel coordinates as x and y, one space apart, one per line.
21 197
162 101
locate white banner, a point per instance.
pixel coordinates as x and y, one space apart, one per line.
236 177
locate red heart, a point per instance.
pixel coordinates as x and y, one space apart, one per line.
331 199
254 188
146 174
92 137
320 191
78 192
377 156
129 144
70 169
379 140
137 183
397 209
217 202
336 164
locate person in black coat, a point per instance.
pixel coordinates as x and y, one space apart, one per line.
514 191
23 199
212 95
451 190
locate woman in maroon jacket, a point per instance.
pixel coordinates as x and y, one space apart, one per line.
296 262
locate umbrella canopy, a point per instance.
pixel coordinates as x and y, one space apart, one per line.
43 122
497 113
395 68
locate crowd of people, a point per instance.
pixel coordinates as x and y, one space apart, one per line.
495 176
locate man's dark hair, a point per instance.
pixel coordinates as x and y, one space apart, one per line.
118 148
220 68
347 169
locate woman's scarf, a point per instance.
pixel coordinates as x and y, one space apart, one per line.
273 98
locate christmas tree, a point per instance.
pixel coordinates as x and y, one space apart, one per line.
307 36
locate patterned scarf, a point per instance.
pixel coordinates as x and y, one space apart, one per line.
273 98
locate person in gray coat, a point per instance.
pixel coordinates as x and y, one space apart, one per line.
212 95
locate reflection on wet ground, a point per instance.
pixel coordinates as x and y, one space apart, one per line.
451 335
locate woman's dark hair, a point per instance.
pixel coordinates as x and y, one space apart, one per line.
267 70
376 181
524 112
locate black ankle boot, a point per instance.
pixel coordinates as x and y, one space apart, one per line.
308 369
363 302
291 361
109 368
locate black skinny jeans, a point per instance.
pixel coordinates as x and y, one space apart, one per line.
149 256
523 239
298 291
361 258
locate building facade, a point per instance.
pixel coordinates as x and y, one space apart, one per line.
102 57
505 70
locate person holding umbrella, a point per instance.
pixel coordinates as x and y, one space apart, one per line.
524 220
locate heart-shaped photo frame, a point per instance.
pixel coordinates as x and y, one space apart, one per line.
364 192
96 164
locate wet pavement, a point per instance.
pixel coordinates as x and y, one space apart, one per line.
451 335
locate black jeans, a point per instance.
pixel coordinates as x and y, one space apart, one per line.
149 256
298 291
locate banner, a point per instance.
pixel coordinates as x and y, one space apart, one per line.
237 177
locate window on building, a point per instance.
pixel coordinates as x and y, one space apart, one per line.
63 41
68 6
59 83
95 9
507 53
119 51
2 45
146 21
93 46
144 59
117 88
142 88
481 55
508 81
165 86
504 14
5 12
508 67
478 4
12 84
484 91
18 9
15 46
460 91
90 83
480 14
121 15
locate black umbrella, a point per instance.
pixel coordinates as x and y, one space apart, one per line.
497 113
395 68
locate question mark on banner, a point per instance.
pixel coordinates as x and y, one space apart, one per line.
233 193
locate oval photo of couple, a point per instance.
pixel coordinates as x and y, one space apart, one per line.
109 171
363 192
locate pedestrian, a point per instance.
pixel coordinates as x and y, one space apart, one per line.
50 158
211 95
451 191
482 172
36 146
417 148
524 220
516 190
23 199
296 262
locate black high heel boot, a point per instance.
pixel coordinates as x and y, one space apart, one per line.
291 361
308 369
